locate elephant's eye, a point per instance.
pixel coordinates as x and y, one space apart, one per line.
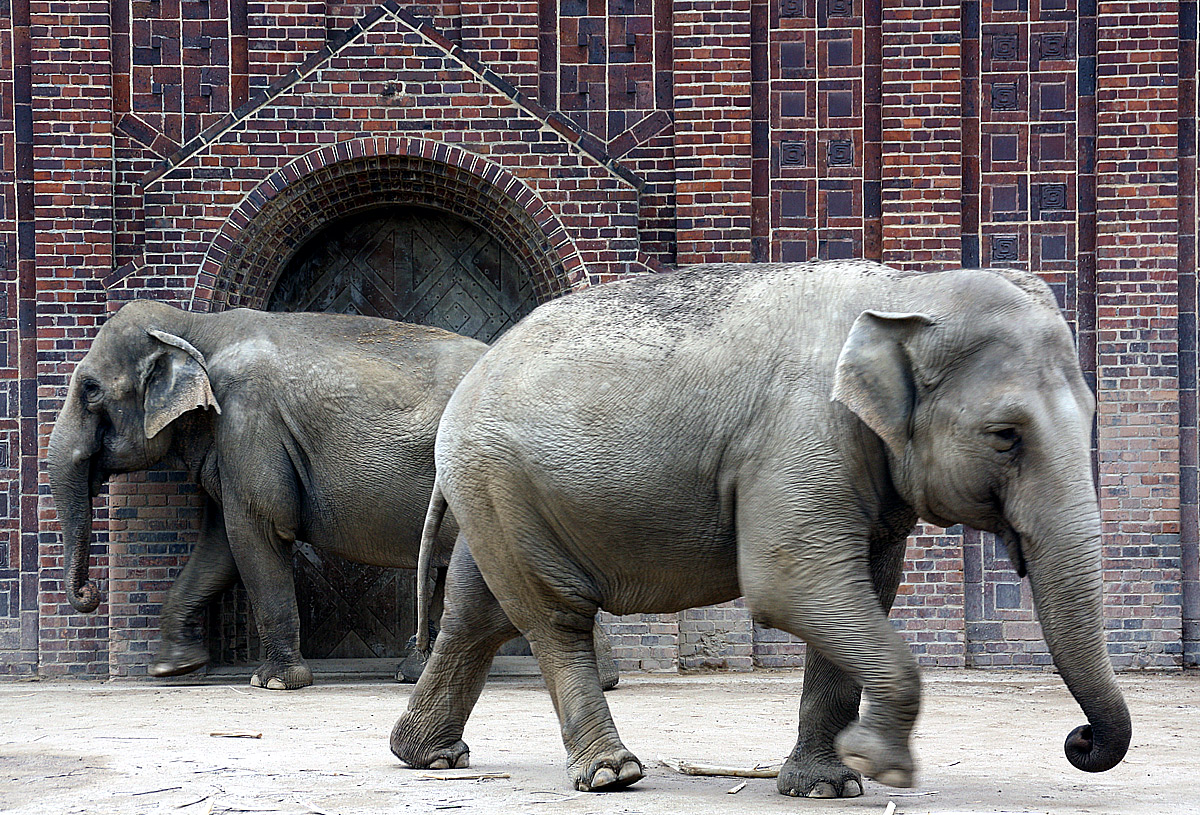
1004 439
92 392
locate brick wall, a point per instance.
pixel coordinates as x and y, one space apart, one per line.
183 149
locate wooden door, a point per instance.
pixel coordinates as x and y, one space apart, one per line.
405 263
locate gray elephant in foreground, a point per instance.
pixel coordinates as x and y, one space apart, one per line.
311 427
772 431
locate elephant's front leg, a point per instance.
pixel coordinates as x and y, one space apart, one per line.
265 563
829 703
210 570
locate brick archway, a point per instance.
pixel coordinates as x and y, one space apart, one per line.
248 255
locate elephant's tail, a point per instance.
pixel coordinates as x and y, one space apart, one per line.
433 522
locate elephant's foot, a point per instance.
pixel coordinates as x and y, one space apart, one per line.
808 775
611 771
885 760
424 753
274 676
174 658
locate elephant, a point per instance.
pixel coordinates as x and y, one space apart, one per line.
297 427
772 431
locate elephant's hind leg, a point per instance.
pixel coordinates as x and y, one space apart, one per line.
562 640
474 626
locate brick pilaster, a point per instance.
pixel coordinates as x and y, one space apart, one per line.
922 133
712 130
1137 339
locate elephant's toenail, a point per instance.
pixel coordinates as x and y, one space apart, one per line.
852 789
822 789
630 771
462 762
255 682
275 683
439 764
603 777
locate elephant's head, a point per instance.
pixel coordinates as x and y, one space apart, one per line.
138 378
976 391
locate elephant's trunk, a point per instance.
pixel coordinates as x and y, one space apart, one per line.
1065 575
71 470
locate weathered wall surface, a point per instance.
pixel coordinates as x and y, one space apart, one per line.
184 149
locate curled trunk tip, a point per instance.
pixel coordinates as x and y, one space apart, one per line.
86 599
1096 750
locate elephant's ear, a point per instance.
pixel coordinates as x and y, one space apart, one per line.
874 376
178 382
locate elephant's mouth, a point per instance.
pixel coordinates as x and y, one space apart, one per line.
1012 542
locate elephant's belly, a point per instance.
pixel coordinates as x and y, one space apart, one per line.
382 539
659 574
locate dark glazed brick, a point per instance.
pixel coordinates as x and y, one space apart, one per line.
841 52
840 104
794 103
792 55
1005 199
1004 148
840 8
1053 147
793 204
837 250
1053 97
1054 247
791 8
794 251
839 204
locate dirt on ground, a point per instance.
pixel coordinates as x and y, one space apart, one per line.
986 742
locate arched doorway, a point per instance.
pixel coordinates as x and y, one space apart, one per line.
408 263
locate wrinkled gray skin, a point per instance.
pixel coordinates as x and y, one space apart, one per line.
312 427
772 431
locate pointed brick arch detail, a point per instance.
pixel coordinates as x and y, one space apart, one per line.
253 247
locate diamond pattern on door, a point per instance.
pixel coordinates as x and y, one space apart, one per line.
412 264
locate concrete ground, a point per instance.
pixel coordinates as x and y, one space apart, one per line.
986 742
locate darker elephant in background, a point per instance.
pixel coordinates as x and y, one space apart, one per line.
297 427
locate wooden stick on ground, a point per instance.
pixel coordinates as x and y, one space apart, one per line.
692 768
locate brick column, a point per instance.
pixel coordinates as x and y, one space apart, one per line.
712 127
1189 439
1136 312
73 208
922 133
